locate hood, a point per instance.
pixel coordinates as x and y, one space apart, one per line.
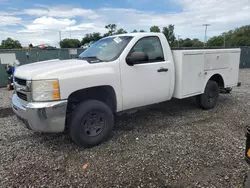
49 69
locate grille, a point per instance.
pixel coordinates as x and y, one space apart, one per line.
21 82
22 96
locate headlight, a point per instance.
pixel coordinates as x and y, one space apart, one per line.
45 90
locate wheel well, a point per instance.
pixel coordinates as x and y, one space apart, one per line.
218 78
105 94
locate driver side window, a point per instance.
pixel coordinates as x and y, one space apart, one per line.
152 48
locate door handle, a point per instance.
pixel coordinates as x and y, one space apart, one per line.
162 70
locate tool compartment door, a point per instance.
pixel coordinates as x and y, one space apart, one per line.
192 74
217 60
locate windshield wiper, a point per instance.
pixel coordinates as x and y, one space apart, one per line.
91 57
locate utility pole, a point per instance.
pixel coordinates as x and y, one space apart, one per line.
178 40
3 33
205 37
60 36
60 39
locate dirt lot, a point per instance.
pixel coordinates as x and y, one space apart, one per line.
174 144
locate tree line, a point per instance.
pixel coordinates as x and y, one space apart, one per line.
10 44
233 38
113 30
237 37
75 43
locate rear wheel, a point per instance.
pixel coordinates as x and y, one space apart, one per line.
210 96
91 123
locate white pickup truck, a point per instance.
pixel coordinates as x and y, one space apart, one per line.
116 74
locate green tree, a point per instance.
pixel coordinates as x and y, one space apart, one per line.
216 41
106 35
70 43
121 31
169 34
96 36
134 31
86 39
10 44
197 43
111 29
237 37
241 41
155 29
142 31
91 37
187 43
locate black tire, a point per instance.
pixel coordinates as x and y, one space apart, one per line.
210 96
91 123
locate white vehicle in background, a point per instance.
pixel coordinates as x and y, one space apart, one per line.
85 46
117 73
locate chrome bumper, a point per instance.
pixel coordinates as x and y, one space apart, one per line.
41 116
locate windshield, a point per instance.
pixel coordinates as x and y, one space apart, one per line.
107 49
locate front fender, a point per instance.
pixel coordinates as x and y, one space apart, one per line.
104 74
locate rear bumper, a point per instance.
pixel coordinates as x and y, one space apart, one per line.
41 116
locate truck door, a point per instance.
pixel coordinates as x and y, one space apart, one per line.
146 82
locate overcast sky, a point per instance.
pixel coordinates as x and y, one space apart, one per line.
40 21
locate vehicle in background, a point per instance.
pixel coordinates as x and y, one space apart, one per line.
117 74
85 46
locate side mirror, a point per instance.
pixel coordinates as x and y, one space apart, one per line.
137 58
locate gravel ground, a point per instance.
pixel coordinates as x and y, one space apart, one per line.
173 144
5 98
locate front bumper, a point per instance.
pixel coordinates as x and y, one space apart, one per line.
41 116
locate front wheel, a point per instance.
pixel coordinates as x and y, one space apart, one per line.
210 96
91 123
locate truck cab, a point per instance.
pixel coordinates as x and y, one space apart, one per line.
115 74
